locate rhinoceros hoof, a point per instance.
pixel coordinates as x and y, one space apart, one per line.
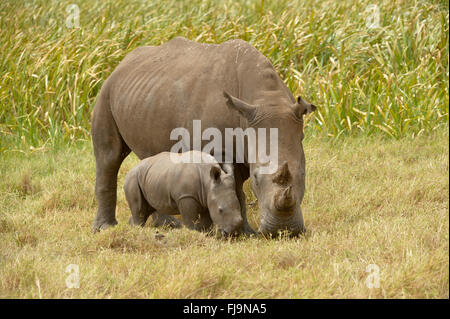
161 220
102 226
248 231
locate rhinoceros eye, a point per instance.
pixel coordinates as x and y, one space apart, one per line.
255 177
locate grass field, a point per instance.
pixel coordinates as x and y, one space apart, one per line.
368 201
376 150
380 70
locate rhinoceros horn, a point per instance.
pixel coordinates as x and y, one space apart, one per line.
284 199
282 175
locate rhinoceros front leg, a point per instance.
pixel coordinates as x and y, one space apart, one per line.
161 219
194 215
240 175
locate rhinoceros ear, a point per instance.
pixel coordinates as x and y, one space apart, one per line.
302 107
227 168
246 110
215 173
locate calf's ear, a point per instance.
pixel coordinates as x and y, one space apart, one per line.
227 168
215 173
246 110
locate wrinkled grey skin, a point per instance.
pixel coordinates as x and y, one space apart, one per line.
158 88
201 192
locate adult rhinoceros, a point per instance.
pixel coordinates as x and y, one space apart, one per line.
231 85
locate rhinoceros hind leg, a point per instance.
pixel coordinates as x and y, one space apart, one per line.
110 150
140 208
161 219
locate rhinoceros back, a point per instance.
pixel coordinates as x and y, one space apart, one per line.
158 88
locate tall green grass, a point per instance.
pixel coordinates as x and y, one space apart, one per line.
391 79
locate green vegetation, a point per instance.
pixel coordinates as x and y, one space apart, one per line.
368 201
391 79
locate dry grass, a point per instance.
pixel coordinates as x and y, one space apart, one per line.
368 201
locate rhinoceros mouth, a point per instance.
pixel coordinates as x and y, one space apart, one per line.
228 234
272 225
292 232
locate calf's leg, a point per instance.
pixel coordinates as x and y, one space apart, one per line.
161 219
140 208
194 215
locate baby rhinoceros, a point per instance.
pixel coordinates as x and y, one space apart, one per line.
200 191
